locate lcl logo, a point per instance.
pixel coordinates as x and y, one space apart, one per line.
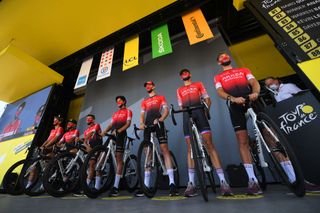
130 61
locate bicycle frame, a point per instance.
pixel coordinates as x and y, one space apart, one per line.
258 137
80 154
112 150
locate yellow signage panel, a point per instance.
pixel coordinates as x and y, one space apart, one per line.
311 70
12 151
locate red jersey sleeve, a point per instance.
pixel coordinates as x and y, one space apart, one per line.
247 73
217 81
143 106
59 131
163 102
77 133
97 128
203 91
129 116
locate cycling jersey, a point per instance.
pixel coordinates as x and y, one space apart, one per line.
152 106
56 132
191 95
95 139
120 118
69 136
234 81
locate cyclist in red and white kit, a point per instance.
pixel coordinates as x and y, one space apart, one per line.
154 110
70 137
193 94
92 138
120 122
55 135
234 84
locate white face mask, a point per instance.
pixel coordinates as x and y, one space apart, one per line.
274 86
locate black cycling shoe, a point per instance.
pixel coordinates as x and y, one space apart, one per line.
139 193
173 190
114 192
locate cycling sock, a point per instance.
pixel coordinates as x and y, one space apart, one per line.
250 172
191 175
287 166
171 176
220 174
29 184
88 181
98 183
116 181
147 178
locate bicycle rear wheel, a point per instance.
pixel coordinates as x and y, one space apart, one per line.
148 169
282 155
11 183
96 158
58 184
198 161
130 176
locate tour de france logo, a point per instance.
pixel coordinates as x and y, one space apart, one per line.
302 115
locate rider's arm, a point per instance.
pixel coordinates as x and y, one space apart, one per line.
226 96
106 130
255 89
165 114
142 116
208 102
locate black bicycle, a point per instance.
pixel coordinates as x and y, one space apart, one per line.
199 154
10 183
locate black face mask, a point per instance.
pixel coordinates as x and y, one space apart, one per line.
226 63
187 78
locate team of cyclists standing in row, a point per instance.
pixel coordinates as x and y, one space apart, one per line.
233 84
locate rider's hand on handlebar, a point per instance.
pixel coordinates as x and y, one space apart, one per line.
239 100
253 96
142 126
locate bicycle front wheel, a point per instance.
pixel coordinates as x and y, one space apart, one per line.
130 176
55 182
198 162
97 168
148 169
282 155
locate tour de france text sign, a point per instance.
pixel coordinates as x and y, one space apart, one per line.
299 119
296 21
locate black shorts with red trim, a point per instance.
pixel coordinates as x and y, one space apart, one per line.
200 119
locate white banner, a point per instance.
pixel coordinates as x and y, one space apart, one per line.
84 73
105 64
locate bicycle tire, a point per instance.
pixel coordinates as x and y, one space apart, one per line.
36 188
198 161
108 173
58 187
154 174
11 183
283 146
258 170
210 175
131 181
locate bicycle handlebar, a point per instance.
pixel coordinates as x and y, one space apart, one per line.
189 110
135 129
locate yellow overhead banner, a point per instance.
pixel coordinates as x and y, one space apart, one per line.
131 53
196 27
312 70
